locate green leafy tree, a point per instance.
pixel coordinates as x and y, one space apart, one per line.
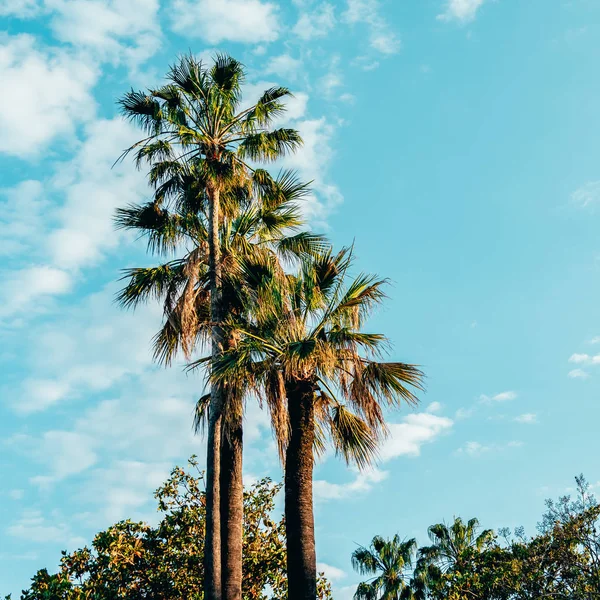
561 562
131 560
196 128
390 563
306 355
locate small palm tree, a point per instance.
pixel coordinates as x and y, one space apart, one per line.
306 355
196 129
452 547
451 544
389 562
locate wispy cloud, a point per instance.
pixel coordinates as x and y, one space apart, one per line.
363 482
381 37
404 439
476 449
317 23
434 407
464 413
578 374
526 418
29 72
216 21
501 397
33 526
460 10
331 573
285 66
584 359
23 9
116 31
407 438
587 196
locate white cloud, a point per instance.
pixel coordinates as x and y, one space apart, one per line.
76 355
16 494
584 359
313 158
595 340
461 10
216 21
434 407
587 196
315 24
475 449
23 9
40 394
112 30
329 83
366 63
578 374
406 438
464 413
32 526
381 37
21 288
579 358
501 397
92 189
21 217
64 453
346 593
85 192
121 490
526 418
46 94
312 162
284 66
504 396
363 482
331 573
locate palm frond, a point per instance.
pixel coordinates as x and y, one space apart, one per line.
142 109
201 413
268 146
352 437
389 381
150 282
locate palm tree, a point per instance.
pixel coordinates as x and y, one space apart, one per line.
451 544
305 349
390 563
452 547
263 233
195 121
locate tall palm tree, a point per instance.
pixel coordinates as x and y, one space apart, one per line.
389 562
195 120
262 234
306 354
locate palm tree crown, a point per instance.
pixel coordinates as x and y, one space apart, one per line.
451 543
389 562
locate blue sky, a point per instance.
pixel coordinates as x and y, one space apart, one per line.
456 143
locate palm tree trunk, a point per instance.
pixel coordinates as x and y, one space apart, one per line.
212 544
299 519
232 512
